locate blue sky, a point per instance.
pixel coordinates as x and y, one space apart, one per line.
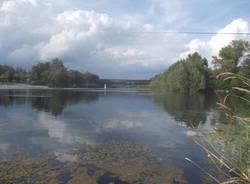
210 14
107 36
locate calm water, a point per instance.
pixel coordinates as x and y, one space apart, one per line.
57 121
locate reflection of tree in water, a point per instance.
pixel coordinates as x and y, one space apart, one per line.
8 97
6 100
59 100
187 108
53 101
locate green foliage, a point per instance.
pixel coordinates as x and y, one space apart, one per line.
231 145
6 73
188 75
232 58
229 56
245 68
53 74
10 74
158 83
181 106
192 73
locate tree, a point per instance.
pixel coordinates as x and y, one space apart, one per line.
21 75
188 75
245 68
232 59
229 56
55 74
58 78
40 73
6 73
76 78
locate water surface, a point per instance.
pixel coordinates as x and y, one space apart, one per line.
56 122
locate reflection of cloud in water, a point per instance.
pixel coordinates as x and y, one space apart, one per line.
212 122
139 120
4 147
122 124
61 131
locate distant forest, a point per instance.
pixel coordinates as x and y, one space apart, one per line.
52 74
193 74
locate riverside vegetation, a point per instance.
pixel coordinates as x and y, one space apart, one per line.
52 74
227 148
193 75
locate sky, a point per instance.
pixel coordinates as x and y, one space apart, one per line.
119 39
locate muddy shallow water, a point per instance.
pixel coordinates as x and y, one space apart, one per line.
114 162
71 136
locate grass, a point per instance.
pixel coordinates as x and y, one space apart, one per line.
229 149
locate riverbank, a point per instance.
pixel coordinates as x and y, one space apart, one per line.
21 86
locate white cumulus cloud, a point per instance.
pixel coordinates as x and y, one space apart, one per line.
88 36
33 31
211 47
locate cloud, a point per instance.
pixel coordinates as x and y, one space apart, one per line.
169 12
124 53
122 124
236 26
14 5
85 39
212 46
82 38
76 29
91 36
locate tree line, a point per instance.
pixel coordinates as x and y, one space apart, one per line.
52 74
192 74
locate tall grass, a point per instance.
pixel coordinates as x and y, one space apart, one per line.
233 144
229 149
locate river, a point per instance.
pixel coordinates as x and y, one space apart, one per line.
58 122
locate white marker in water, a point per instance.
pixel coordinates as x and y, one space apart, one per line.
105 86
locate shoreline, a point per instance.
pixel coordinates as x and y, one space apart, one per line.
21 86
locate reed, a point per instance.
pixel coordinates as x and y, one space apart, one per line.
229 148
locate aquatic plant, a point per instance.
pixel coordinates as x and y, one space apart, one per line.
113 162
